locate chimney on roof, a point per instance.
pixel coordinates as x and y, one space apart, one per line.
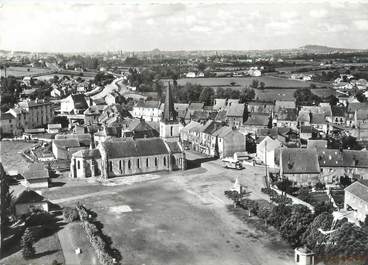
310 116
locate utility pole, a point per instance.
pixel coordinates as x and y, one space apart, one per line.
266 169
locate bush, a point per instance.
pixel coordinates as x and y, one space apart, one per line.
320 186
70 214
39 217
281 199
304 194
269 191
27 241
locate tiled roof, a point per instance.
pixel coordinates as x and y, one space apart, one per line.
222 132
66 143
338 111
318 118
287 115
362 114
299 161
191 125
257 119
236 110
220 103
7 116
140 126
284 104
359 189
196 106
221 116
134 148
317 144
306 129
94 110
273 132
29 196
199 115
94 153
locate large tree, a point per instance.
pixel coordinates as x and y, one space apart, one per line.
296 224
207 96
304 96
246 95
278 215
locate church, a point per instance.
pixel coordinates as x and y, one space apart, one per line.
129 156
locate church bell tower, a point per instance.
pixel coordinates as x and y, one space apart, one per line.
169 125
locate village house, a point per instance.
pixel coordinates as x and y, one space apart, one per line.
219 104
92 114
236 115
63 146
54 128
338 115
8 125
189 133
36 176
139 128
284 104
205 145
352 110
256 121
73 104
226 141
32 113
148 110
361 117
286 118
260 107
29 200
299 165
336 163
356 199
266 150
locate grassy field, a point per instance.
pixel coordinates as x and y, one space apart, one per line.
10 155
47 250
246 81
19 71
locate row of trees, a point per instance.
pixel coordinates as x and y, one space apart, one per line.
299 226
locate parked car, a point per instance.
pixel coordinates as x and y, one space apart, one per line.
230 163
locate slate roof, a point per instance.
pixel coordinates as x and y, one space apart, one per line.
261 107
94 110
174 147
220 103
129 147
199 115
79 101
236 110
222 132
139 126
29 196
318 118
346 158
273 132
359 189
257 119
300 161
352 107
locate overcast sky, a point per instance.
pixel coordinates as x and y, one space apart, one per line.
77 26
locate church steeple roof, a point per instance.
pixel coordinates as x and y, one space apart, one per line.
169 114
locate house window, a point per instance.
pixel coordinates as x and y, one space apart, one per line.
171 131
164 161
78 164
146 162
110 163
297 258
129 164
156 162
120 165
138 163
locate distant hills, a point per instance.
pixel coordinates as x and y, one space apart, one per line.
326 49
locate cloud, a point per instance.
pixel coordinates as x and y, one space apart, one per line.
361 24
318 13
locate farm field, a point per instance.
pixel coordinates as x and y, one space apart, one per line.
269 81
288 93
21 71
